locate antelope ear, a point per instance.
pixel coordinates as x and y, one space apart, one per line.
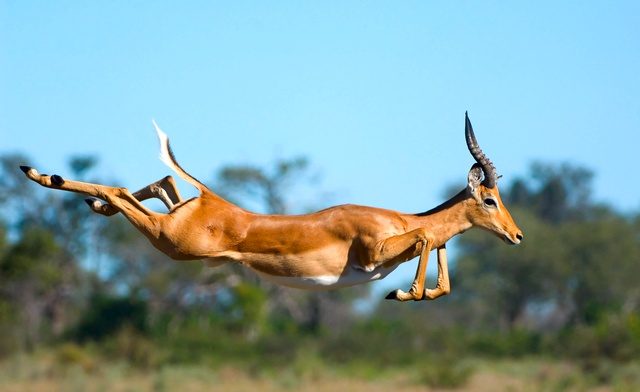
474 178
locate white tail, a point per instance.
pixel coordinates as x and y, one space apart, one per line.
167 157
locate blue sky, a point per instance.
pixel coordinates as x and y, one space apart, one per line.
374 93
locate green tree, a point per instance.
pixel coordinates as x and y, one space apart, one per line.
32 277
503 282
604 265
40 269
575 263
264 187
555 193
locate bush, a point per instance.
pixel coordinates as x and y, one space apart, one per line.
136 349
448 373
615 337
106 315
70 354
516 343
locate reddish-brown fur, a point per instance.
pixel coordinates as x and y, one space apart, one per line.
338 246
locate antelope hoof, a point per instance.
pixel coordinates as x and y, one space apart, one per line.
96 205
400 295
101 208
57 180
30 172
393 295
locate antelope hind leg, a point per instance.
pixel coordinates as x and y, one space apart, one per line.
142 218
164 189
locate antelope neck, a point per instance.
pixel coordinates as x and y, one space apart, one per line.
446 220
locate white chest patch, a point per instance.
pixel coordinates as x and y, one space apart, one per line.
350 277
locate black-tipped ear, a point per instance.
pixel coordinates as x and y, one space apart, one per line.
474 178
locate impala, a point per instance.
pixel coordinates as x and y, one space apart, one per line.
336 247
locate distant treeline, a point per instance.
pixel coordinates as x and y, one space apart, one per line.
68 275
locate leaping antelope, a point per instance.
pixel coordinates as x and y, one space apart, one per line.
336 247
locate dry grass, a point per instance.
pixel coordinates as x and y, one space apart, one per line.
44 372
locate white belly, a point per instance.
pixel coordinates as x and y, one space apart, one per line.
350 277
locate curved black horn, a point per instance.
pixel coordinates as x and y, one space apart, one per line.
489 170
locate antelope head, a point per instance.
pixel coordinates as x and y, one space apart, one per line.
486 209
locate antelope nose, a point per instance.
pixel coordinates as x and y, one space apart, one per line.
519 236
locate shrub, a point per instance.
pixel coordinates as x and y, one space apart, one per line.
448 373
70 354
106 315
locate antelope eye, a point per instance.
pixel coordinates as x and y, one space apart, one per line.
490 202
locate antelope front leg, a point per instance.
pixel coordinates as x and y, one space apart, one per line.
402 247
417 289
442 287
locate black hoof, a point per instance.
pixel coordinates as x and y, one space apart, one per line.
25 169
57 180
391 295
89 201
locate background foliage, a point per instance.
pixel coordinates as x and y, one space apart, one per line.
92 289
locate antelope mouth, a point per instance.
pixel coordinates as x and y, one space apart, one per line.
512 241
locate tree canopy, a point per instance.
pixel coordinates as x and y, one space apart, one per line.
67 274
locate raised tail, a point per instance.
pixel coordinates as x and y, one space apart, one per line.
166 156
